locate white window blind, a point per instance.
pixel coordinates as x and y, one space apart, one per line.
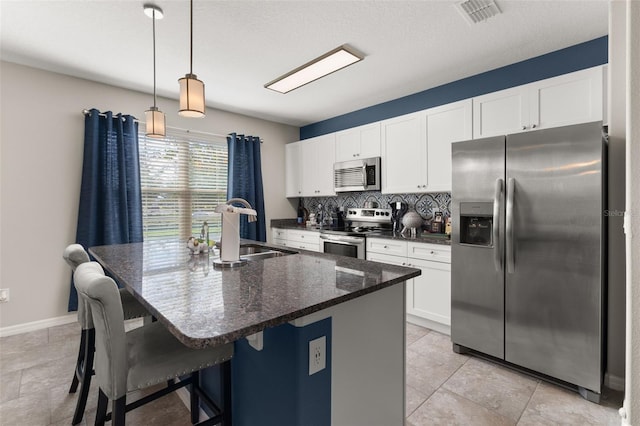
183 178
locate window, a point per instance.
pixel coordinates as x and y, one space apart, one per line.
183 178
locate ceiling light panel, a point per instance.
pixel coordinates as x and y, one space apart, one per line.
326 64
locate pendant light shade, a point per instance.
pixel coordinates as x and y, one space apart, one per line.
155 123
153 116
191 96
192 102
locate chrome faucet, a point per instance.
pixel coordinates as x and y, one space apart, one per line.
230 239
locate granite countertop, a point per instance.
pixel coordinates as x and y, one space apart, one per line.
423 237
203 306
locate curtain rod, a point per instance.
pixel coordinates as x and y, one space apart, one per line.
86 112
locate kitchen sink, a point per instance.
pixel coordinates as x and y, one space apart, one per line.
253 252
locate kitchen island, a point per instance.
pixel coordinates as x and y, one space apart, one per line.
355 307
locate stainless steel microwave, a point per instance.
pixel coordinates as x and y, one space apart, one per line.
357 175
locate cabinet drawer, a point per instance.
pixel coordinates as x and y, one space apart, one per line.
280 241
384 246
433 252
308 237
387 258
278 233
311 246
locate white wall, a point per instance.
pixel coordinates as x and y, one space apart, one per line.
616 92
631 412
41 148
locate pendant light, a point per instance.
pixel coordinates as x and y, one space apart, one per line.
191 89
154 117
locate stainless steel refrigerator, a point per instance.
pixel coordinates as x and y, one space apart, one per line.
528 251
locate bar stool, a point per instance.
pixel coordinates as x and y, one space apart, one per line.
75 255
143 357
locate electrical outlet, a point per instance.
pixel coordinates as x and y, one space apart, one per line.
4 295
317 355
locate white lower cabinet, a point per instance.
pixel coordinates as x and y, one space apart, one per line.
429 295
297 239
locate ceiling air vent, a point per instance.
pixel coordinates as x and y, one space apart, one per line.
475 11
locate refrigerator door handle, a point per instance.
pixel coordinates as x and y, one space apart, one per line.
497 210
511 187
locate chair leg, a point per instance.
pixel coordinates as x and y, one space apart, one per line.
118 411
195 400
101 411
79 367
225 377
87 372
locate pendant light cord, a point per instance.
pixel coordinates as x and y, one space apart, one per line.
154 56
191 41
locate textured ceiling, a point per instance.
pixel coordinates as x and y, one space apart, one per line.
239 46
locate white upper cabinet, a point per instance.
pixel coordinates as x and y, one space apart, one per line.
567 99
559 101
318 155
445 124
416 148
358 142
293 166
404 154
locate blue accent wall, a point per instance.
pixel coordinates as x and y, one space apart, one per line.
272 387
584 55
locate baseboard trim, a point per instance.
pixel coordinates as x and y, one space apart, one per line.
38 325
614 382
432 325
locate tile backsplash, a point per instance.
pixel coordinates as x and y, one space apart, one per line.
423 204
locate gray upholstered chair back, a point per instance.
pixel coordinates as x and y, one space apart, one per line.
103 297
75 255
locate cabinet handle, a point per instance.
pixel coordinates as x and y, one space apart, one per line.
418 186
424 186
533 126
433 252
404 264
385 247
524 127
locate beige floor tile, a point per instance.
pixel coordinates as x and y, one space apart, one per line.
63 403
31 410
429 365
23 342
448 408
413 399
414 332
62 332
551 404
46 376
495 387
10 386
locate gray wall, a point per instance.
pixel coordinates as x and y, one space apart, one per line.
41 147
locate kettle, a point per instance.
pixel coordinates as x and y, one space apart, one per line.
398 209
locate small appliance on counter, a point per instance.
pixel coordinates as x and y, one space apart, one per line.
398 209
437 223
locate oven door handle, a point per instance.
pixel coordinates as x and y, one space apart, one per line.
343 240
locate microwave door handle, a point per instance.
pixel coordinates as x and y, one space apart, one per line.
511 187
364 176
497 213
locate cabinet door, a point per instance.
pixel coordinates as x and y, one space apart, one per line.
404 154
293 178
431 291
358 142
348 144
325 158
445 124
567 99
318 156
386 246
370 140
500 113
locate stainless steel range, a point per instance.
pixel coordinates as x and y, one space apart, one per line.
351 240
